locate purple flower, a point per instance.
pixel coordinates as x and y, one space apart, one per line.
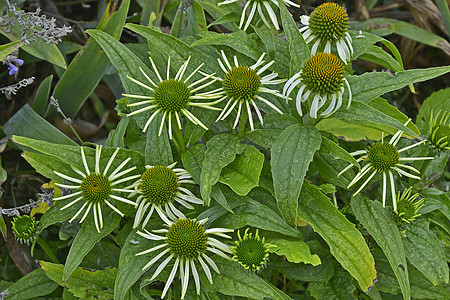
12 69
18 61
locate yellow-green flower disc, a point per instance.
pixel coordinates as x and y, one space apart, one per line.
159 185
407 207
241 83
172 95
440 136
383 156
251 252
187 238
329 22
96 188
24 229
323 73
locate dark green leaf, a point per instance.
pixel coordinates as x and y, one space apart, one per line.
340 286
331 148
305 272
437 101
32 285
157 148
265 135
42 95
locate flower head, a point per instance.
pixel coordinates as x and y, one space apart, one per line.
439 135
251 251
328 25
322 79
258 5
243 85
24 229
160 188
384 158
186 241
407 208
96 188
172 96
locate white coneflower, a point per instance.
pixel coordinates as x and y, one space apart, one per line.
172 97
243 85
328 25
384 157
258 5
160 188
96 187
321 79
186 241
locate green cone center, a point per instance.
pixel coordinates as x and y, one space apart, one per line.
24 226
329 22
187 238
159 185
250 253
241 83
172 95
96 188
323 74
440 136
383 156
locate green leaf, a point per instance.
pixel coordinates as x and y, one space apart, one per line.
369 86
193 15
157 148
346 243
242 175
221 150
437 101
26 122
329 168
378 222
305 272
3 228
89 65
42 95
425 252
340 286
86 239
116 137
32 285
377 55
331 148
298 49
360 45
291 155
84 283
265 135
295 250
249 212
6 49
266 36
234 280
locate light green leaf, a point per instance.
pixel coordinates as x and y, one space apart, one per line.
32 285
87 68
291 155
6 49
369 86
42 95
340 286
346 243
377 55
437 101
234 280
221 150
378 222
295 250
298 49
425 252
86 239
26 122
331 148
265 135
116 137
242 175
84 283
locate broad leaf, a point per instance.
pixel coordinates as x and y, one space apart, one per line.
265 135
331 148
157 148
340 286
31 285
295 250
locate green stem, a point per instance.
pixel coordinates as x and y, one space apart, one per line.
179 140
47 250
242 123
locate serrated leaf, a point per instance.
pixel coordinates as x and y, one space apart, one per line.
221 150
346 243
298 49
84 283
32 285
425 252
378 222
291 155
242 175
295 250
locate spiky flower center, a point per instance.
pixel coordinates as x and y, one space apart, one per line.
172 95
440 136
96 188
323 74
187 238
241 83
329 22
250 252
159 185
24 228
383 156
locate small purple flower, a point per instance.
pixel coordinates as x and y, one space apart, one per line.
12 68
18 61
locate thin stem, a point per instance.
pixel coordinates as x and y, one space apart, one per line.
47 250
243 122
178 135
